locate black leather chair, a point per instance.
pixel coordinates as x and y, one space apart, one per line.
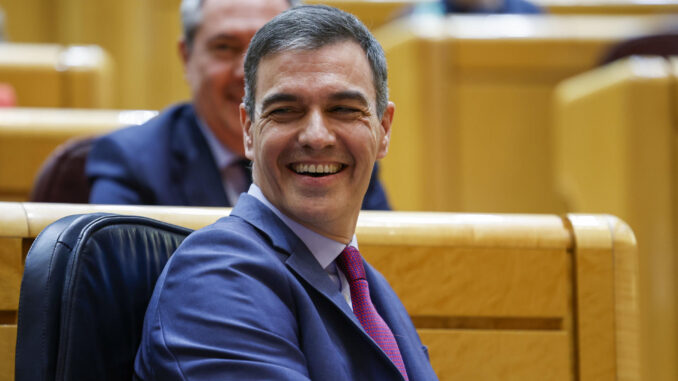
86 284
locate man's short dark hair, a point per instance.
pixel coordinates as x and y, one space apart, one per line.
191 17
310 27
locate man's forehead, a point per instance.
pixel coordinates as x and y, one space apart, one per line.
345 60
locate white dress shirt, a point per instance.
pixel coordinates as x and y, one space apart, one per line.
325 250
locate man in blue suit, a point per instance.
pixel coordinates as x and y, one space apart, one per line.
192 154
278 290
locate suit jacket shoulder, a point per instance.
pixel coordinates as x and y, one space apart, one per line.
165 161
245 299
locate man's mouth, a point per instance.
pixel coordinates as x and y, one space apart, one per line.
316 170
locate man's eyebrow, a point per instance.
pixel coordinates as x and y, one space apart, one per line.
278 97
222 37
350 95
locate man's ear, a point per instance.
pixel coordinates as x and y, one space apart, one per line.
247 137
184 53
386 121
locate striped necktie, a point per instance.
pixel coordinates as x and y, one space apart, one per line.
351 263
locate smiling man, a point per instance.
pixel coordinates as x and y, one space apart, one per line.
192 154
278 290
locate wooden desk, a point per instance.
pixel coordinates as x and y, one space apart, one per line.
50 75
29 135
473 95
615 152
510 297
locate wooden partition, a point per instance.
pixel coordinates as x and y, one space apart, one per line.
494 297
471 130
378 12
140 36
29 135
615 152
608 7
51 75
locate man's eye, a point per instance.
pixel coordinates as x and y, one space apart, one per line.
345 110
224 48
280 111
283 113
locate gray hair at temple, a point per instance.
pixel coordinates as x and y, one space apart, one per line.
310 27
191 17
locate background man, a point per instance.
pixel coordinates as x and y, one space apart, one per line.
192 154
278 290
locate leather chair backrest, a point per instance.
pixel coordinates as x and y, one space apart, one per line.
86 283
62 177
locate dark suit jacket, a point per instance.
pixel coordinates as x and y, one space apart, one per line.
244 299
167 161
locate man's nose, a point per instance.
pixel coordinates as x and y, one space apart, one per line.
316 133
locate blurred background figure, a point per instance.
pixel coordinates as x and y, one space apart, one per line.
477 6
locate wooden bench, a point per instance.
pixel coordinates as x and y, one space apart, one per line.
473 95
615 152
51 75
140 37
29 135
494 297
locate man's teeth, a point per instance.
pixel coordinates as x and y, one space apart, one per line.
319 168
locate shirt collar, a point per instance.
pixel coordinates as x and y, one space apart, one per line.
325 250
222 155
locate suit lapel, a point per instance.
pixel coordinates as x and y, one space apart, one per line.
300 259
194 169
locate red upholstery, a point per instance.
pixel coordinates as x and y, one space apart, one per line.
62 176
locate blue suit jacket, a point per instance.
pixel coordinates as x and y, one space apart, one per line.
244 299
167 161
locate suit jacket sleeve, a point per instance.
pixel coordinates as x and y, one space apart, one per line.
375 197
219 312
111 174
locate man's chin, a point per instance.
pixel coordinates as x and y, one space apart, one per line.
312 211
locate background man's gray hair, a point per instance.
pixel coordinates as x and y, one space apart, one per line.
310 27
191 17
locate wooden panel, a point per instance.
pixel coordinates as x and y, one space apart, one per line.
49 75
166 84
493 295
29 135
31 70
476 282
42 214
628 324
498 355
13 222
372 13
595 302
615 153
606 283
7 345
11 270
482 105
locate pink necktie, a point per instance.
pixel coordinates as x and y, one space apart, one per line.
350 262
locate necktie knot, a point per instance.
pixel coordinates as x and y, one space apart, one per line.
351 263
